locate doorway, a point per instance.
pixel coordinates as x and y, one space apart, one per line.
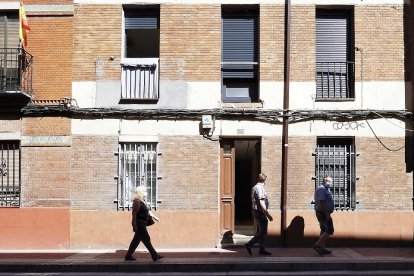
240 166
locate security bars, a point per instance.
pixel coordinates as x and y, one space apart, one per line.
334 80
137 165
10 174
336 158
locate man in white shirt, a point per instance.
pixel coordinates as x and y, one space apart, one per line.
260 204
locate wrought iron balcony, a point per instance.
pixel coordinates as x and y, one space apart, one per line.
15 77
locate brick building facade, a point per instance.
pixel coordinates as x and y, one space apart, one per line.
122 93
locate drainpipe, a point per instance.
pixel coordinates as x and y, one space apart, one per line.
285 130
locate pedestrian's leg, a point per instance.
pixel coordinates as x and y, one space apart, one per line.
146 240
133 246
257 236
262 233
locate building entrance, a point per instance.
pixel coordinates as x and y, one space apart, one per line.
240 166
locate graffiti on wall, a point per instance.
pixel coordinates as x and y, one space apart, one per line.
348 125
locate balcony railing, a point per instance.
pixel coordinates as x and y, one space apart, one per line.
15 71
140 79
334 80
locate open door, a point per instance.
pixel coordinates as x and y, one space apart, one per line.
227 169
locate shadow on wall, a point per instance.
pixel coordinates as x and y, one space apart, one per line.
295 237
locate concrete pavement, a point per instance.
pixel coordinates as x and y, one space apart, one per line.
207 260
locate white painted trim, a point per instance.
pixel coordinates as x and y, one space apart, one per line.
9 6
274 2
9 136
139 138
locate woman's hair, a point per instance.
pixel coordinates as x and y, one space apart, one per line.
262 177
139 193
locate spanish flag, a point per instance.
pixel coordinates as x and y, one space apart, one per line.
24 26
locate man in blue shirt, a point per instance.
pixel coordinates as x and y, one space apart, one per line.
324 206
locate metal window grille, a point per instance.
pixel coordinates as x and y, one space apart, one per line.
336 158
10 174
140 80
334 59
137 166
334 79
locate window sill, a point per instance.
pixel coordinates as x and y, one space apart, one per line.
242 105
334 100
138 101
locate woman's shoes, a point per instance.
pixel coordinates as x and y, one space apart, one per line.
156 258
129 258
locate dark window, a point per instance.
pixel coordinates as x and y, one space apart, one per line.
142 33
334 54
240 36
10 173
335 157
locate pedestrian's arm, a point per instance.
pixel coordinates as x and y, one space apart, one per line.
154 216
322 205
263 207
135 208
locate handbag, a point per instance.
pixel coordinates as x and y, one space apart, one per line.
150 221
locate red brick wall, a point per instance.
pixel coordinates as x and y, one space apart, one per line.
272 35
50 41
190 169
190 42
271 165
93 170
45 176
379 31
46 126
302 45
97 35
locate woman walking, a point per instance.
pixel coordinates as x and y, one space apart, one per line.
140 217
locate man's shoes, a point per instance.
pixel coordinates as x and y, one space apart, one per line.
326 251
318 249
129 258
264 252
156 258
248 248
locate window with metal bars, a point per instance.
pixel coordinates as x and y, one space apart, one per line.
137 166
336 157
10 173
335 66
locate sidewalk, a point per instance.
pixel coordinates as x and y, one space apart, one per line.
207 260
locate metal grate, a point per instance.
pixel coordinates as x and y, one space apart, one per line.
140 81
137 167
334 79
10 174
336 158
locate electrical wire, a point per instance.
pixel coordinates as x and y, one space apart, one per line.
394 123
379 140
